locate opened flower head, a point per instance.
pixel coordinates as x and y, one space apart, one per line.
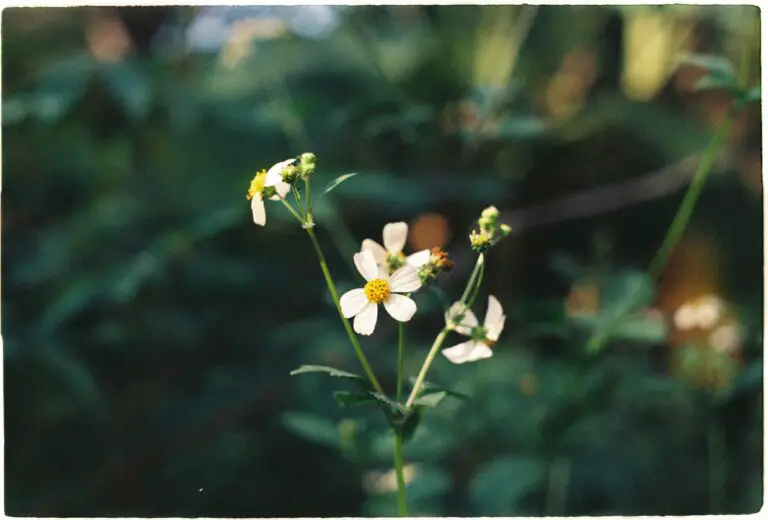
482 337
380 287
390 257
267 184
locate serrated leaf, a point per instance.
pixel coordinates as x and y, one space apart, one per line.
334 372
336 182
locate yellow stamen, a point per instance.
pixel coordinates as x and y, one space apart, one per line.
377 290
489 343
257 184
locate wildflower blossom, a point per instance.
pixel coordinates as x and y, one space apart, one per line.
390 256
437 263
267 184
382 288
482 337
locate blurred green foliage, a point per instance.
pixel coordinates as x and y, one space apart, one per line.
149 327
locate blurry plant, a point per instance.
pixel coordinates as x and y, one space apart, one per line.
391 278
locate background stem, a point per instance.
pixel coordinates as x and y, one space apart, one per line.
400 359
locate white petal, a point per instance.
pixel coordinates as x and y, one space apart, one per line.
259 213
480 351
275 173
365 321
352 302
468 321
395 234
282 189
400 307
379 253
366 265
494 318
275 178
405 279
420 258
461 353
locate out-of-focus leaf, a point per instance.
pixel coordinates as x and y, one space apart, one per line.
311 427
430 399
522 127
498 488
336 182
130 86
718 65
411 423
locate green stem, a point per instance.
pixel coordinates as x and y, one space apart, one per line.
471 284
685 211
293 211
402 502
299 204
310 223
334 294
400 359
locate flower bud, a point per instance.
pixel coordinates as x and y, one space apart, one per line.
290 173
306 164
480 241
268 191
505 229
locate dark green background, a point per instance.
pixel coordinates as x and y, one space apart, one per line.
149 327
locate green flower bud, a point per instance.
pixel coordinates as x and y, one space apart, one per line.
306 164
290 173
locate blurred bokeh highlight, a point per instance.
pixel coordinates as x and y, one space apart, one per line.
149 327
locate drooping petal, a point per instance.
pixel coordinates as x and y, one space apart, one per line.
480 351
395 234
275 178
365 321
405 279
462 352
379 253
468 321
420 258
400 307
494 318
366 265
352 302
257 208
282 189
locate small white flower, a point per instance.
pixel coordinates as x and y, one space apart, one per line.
380 288
482 336
264 179
390 256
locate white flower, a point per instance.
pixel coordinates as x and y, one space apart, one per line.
482 336
380 288
264 179
390 256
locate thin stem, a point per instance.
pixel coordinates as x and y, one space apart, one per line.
310 223
402 502
299 204
334 294
478 283
471 284
293 211
400 359
685 211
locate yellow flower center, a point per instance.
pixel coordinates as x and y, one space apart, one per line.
377 290
257 184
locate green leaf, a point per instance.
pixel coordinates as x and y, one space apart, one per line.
130 87
312 428
393 409
752 95
431 399
714 82
348 399
411 423
334 372
335 183
498 488
641 328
